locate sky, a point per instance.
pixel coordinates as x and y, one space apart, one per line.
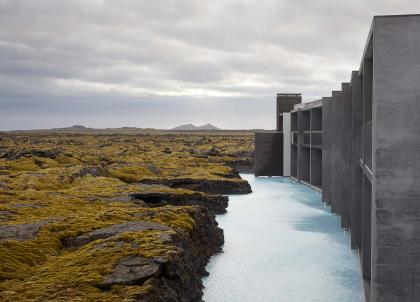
163 63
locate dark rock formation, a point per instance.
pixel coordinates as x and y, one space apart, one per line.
175 277
112 231
213 152
167 151
242 165
244 162
217 203
213 186
180 278
25 231
129 271
91 170
6 215
16 154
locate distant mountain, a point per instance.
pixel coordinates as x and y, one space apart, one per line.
208 127
191 127
80 127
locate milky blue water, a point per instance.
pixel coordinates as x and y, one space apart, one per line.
282 244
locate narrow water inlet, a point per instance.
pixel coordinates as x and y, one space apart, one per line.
282 244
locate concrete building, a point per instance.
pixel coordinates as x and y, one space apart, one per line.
272 157
361 148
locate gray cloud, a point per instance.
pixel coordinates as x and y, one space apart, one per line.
174 61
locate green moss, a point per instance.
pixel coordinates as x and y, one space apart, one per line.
23 164
64 159
131 174
57 191
75 274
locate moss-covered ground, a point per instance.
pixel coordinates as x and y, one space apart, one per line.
73 184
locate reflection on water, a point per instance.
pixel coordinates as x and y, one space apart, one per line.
282 244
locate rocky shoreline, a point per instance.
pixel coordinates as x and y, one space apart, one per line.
180 277
213 186
169 277
113 218
216 203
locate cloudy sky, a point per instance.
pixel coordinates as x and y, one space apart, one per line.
161 63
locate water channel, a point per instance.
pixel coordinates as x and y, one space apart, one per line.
282 244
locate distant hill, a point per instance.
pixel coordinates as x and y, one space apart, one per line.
74 127
191 127
80 129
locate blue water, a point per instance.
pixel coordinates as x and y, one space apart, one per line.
282 244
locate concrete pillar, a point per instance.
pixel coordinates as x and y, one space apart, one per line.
366 228
316 147
396 159
294 146
303 151
366 185
326 148
356 154
286 144
336 191
316 168
346 155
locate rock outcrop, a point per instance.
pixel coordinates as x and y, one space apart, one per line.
113 230
179 278
111 216
210 186
176 276
24 231
217 203
131 270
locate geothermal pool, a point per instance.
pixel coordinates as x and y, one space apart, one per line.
282 244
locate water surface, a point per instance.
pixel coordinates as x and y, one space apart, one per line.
282 244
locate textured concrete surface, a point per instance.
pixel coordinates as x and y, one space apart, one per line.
304 155
396 159
336 190
366 228
286 144
346 154
285 103
268 157
326 148
316 168
356 153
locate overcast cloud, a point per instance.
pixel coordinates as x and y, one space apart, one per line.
161 63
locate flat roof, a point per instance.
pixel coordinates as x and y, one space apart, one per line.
308 105
289 94
391 16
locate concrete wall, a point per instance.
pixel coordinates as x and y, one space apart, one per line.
316 168
326 148
285 103
295 143
286 144
356 154
306 150
268 156
346 153
336 167
396 159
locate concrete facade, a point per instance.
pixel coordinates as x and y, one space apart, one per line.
285 103
396 159
269 160
361 147
306 147
268 155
